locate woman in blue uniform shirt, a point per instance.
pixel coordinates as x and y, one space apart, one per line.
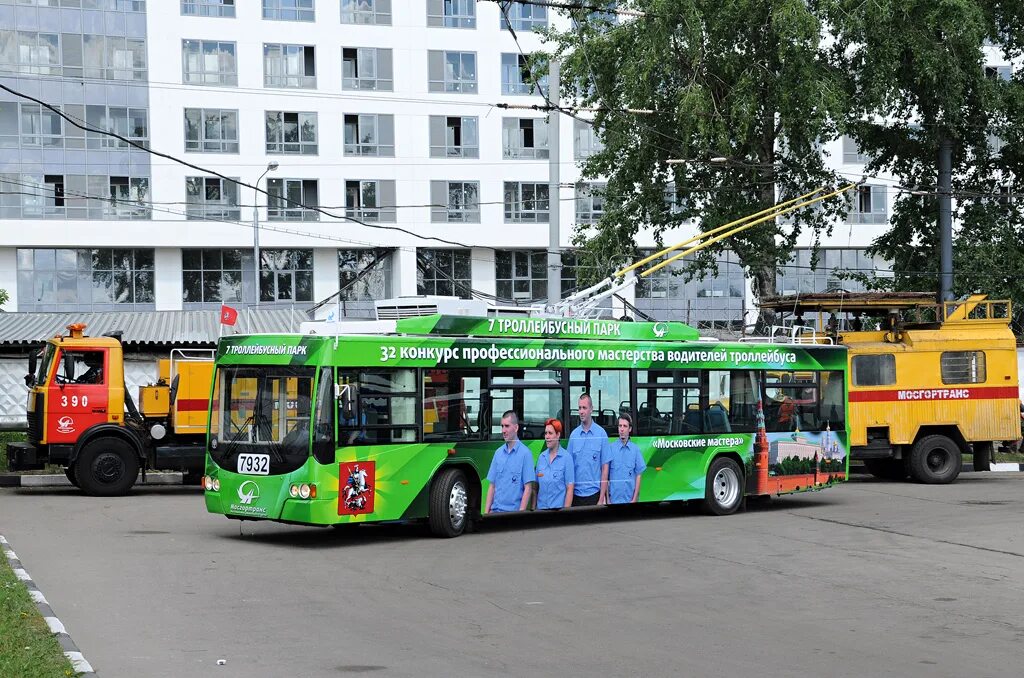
555 470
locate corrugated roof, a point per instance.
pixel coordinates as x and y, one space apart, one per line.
147 327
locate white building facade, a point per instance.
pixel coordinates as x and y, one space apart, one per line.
381 110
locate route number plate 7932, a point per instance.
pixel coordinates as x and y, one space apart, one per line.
254 464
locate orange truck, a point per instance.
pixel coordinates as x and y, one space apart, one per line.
928 382
82 417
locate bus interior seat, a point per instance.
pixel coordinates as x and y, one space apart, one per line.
692 420
717 419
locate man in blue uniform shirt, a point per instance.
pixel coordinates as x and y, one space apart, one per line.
588 446
625 466
511 471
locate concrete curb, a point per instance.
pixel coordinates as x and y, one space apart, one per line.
60 480
71 651
998 467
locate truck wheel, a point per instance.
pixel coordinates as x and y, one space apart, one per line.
935 460
886 469
107 467
72 475
449 503
723 488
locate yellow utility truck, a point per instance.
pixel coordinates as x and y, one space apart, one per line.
82 417
928 382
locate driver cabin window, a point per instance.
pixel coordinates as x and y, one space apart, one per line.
87 367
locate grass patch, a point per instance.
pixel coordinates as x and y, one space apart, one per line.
8 437
27 648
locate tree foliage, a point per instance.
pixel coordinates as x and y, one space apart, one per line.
746 80
915 74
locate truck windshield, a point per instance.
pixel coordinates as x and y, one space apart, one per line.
262 410
44 365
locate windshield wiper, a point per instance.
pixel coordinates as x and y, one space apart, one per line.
237 437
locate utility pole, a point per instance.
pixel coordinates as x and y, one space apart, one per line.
946 218
554 181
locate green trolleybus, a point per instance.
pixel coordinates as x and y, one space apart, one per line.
400 420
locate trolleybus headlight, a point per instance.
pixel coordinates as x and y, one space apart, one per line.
293 491
216 485
207 483
304 491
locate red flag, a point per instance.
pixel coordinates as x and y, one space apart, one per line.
228 315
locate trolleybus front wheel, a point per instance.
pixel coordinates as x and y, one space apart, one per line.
935 460
723 490
449 503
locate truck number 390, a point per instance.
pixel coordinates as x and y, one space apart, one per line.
74 401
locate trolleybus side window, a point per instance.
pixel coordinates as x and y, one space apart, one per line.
962 367
377 406
790 401
833 407
452 404
323 431
668 402
535 395
609 391
731 405
874 370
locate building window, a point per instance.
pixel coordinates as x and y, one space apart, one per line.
869 206
286 275
211 198
524 138
454 137
130 123
211 275
852 154
370 200
85 279
713 301
29 52
827 270
370 134
451 13
208 62
289 10
569 280
366 12
455 201
521 275
223 8
103 57
293 199
290 66
291 133
74 196
589 203
129 197
516 77
523 16
211 130
451 71
585 141
364 275
526 202
30 126
366 68
443 272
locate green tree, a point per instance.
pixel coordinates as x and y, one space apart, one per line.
3 297
745 80
916 75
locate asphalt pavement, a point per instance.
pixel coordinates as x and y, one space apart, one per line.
866 579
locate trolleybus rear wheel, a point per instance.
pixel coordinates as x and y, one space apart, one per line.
935 460
723 490
449 503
